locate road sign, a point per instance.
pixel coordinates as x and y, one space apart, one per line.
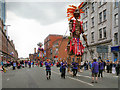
102 49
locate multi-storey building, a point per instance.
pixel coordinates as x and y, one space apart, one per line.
115 49
59 49
99 25
7 48
48 43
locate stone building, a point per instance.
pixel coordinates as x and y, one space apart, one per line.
99 25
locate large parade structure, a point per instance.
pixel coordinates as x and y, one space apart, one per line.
41 52
75 46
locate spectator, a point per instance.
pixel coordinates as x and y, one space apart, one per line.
95 68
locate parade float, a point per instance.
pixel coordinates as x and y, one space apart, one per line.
75 47
41 52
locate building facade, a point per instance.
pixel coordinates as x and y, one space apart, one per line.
48 43
98 21
59 49
115 49
7 48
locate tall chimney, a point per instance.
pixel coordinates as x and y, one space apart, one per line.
34 50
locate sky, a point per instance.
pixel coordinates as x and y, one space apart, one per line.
31 22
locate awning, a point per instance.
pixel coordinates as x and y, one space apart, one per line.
115 49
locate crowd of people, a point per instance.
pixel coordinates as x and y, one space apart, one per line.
97 67
106 66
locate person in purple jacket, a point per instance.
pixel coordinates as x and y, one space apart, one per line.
75 67
63 69
101 68
95 70
48 69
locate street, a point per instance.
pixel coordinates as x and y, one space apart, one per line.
35 78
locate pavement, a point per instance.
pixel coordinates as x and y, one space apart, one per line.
35 78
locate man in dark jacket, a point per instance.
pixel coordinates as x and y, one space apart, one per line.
63 67
101 68
117 68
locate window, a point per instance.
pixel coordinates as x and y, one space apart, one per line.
92 34
86 11
100 33
92 21
83 14
116 4
116 38
86 26
104 14
104 30
48 43
93 7
100 3
100 17
116 19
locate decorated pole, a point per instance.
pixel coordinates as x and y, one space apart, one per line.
75 46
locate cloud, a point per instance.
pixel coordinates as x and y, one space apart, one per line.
44 13
32 22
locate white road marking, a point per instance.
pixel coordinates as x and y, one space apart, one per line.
81 81
84 76
8 79
75 79
115 76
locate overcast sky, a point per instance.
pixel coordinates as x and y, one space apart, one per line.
32 22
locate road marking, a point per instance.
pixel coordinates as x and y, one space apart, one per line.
8 79
84 76
75 79
81 81
115 76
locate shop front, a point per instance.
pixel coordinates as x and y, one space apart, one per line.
115 50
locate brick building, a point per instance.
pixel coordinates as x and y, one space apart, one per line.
48 43
58 48
33 56
7 48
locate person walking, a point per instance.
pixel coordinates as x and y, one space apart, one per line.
111 65
85 64
104 65
95 69
75 68
33 63
48 69
117 68
29 63
101 68
108 66
14 65
25 63
63 69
